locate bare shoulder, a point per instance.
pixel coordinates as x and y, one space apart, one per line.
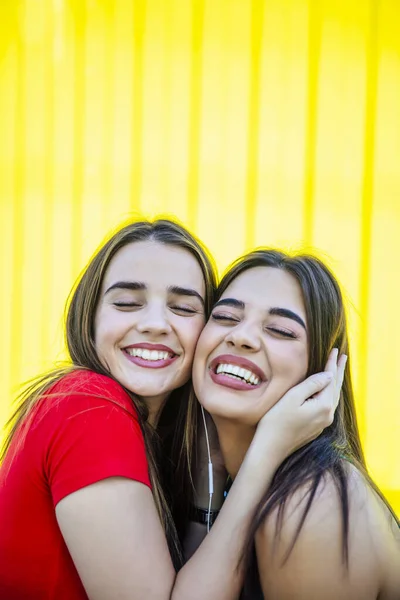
382 530
314 567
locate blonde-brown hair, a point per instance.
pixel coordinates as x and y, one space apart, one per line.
175 479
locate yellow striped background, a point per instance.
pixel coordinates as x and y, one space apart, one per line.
255 122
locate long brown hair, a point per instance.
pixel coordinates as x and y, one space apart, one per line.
169 450
339 444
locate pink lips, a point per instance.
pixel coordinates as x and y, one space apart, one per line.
227 380
151 364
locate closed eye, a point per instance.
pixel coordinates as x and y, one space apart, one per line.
126 304
226 318
184 309
283 332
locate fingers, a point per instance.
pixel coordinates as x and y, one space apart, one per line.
328 398
336 366
331 364
313 385
341 368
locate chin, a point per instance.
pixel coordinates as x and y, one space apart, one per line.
225 408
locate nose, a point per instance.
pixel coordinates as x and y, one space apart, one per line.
154 321
244 336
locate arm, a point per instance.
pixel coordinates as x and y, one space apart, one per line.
214 570
115 539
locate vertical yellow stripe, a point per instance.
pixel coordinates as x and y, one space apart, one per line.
196 90
139 29
18 246
80 17
8 106
109 110
367 206
314 50
256 35
49 189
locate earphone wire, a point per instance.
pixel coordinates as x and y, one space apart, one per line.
210 472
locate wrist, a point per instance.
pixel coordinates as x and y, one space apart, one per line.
264 456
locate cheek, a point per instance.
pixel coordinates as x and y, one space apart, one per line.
207 343
289 367
189 336
108 327
290 362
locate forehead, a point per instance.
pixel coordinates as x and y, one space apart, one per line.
266 287
154 263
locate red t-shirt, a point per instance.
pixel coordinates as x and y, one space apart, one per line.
85 432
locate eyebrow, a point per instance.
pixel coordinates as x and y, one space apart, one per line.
230 302
289 314
276 310
181 291
139 285
126 285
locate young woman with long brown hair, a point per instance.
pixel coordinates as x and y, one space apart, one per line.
96 481
322 528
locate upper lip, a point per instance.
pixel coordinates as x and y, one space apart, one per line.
148 346
240 361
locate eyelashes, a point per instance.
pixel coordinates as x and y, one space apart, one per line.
228 319
219 317
126 304
189 311
184 309
287 334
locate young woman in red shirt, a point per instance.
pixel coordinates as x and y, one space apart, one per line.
322 528
95 484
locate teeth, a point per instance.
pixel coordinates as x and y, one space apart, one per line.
238 372
148 354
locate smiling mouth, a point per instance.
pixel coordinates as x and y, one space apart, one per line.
237 373
146 354
150 358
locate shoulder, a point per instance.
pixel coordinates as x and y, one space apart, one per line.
281 527
326 506
85 381
84 397
89 432
82 387
314 560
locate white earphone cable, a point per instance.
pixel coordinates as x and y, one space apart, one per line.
210 472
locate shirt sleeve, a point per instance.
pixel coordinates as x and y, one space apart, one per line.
93 433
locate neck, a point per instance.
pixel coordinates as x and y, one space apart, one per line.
155 406
234 439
